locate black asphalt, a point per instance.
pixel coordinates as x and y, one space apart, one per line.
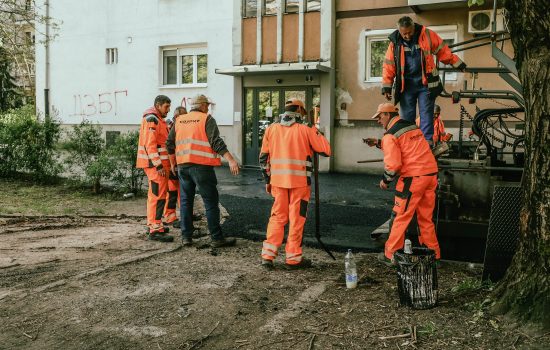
352 206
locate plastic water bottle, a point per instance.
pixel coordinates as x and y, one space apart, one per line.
351 270
408 247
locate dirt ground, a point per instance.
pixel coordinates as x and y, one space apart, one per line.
92 281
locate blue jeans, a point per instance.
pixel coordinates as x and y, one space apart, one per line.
407 103
204 177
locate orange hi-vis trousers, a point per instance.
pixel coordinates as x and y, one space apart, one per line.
413 194
156 198
290 206
172 199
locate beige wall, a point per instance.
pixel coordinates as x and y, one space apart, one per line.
352 5
290 38
350 46
249 41
312 36
269 39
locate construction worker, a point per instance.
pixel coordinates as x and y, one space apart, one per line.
409 61
286 162
408 157
173 194
195 146
439 128
152 157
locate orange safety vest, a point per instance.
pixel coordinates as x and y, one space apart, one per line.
439 130
290 153
431 44
406 151
192 145
153 133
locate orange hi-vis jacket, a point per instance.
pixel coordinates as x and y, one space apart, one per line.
153 133
287 153
439 130
430 44
406 152
192 145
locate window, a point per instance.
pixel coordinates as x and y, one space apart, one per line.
29 37
292 6
376 44
449 36
185 66
250 8
111 56
270 7
313 5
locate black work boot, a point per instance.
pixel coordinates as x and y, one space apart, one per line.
176 224
186 241
267 264
224 242
160 237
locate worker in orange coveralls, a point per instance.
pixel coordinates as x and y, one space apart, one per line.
172 197
286 162
407 155
152 157
439 128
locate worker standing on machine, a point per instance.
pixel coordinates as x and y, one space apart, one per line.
286 160
409 61
408 157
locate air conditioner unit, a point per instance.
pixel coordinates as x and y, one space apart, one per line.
481 21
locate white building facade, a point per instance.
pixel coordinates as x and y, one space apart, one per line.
109 59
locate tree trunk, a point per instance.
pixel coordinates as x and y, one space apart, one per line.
525 290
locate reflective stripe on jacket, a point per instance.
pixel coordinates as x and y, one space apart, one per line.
192 144
406 151
153 133
430 44
286 157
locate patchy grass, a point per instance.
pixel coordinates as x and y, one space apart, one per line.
64 198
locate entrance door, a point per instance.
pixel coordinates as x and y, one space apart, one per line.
262 107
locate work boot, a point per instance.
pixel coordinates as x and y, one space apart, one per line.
267 264
388 262
196 216
160 237
304 264
176 224
440 149
186 241
162 230
224 242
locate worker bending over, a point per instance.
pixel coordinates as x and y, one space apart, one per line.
409 61
152 157
408 157
286 162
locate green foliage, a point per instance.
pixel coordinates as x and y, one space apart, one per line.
472 284
10 97
126 177
28 144
87 154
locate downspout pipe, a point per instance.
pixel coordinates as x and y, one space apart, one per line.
47 72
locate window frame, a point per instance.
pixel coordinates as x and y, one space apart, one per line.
370 36
243 10
111 55
447 32
184 50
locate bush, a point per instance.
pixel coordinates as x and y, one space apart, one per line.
28 144
126 177
87 154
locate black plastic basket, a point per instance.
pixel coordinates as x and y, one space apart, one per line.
417 278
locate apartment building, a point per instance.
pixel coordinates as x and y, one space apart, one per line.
108 63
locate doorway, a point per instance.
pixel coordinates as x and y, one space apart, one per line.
262 107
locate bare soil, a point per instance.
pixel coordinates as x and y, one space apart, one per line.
95 282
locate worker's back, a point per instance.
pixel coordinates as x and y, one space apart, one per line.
291 152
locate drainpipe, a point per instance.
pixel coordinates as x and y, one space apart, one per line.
47 77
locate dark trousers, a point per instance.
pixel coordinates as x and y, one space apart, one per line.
407 103
204 177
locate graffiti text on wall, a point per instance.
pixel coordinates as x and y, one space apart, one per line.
102 103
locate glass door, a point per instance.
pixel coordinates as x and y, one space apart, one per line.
262 107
